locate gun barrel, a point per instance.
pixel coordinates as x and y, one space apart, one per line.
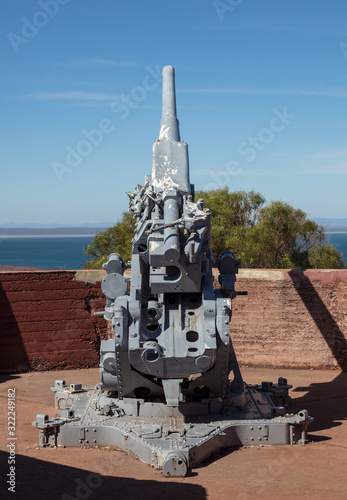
169 126
170 167
169 94
171 234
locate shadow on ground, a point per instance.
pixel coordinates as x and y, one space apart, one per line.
4 377
325 401
37 479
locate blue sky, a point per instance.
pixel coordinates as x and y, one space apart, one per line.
261 99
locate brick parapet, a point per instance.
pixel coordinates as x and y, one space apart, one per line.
47 320
290 318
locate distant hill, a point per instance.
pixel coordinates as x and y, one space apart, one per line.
336 229
333 222
15 225
14 229
333 225
57 231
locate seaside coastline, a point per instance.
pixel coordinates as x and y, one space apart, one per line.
57 252
86 235
11 236
54 251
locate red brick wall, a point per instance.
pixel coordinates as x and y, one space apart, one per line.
47 321
289 319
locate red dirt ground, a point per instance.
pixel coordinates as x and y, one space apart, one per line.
314 471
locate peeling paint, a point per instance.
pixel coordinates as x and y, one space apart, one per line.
163 134
166 181
153 245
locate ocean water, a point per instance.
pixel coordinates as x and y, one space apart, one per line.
44 252
67 253
339 240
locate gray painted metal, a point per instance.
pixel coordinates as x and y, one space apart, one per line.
171 391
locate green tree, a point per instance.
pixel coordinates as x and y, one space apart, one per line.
232 213
116 239
272 236
325 257
281 238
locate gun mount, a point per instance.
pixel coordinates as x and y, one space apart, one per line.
171 391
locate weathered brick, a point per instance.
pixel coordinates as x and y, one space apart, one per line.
289 318
46 320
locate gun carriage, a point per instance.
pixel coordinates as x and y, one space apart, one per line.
170 391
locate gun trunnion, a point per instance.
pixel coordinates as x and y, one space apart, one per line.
170 391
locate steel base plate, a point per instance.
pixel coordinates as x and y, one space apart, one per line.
171 439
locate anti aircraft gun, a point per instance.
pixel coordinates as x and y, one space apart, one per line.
170 391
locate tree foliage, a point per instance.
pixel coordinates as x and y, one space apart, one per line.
116 239
232 215
272 236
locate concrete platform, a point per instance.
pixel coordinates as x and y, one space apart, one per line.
314 471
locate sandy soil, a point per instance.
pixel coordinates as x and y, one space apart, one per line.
314 471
